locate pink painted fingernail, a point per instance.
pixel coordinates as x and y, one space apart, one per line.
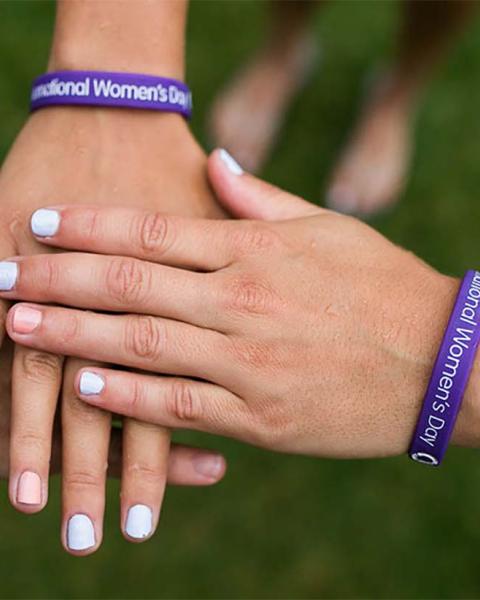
29 489
26 320
209 466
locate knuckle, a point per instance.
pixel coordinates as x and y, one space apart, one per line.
92 224
254 238
15 232
41 366
155 233
30 438
271 425
183 402
252 354
127 280
80 412
135 401
70 327
263 355
145 474
50 274
81 479
145 337
250 295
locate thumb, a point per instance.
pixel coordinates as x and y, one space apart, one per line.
247 197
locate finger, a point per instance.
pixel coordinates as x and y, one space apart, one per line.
4 306
248 197
144 476
194 466
168 401
186 465
86 435
36 381
147 343
115 284
7 248
199 244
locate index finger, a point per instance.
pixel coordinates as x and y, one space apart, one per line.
199 244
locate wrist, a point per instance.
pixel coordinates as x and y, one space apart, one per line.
140 37
421 319
467 424
72 56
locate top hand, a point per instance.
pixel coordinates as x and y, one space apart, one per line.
311 334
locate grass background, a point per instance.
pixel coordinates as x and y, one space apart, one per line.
279 526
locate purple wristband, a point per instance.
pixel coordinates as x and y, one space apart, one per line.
126 90
449 376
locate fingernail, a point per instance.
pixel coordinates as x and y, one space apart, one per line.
91 384
230 162
209 466
8 275
29 489
139 521
342 198
45 222
26 320
80 533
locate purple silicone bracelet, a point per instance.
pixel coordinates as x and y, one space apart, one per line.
125 90
449 376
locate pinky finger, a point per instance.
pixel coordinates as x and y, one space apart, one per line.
144 476
186 465
173 402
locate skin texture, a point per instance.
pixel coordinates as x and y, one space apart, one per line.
149 160
56 157
326 331
124 157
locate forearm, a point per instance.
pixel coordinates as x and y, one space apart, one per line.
145 36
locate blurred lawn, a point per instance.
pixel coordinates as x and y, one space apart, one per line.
289 527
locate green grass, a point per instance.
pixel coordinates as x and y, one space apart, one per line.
279 526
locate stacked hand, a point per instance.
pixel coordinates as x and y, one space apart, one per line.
122 158
296 329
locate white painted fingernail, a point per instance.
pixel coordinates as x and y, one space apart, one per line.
91 383
139 521
80 533
45 222
230 162
8 275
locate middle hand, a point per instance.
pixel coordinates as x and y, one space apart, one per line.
310 334
67 154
